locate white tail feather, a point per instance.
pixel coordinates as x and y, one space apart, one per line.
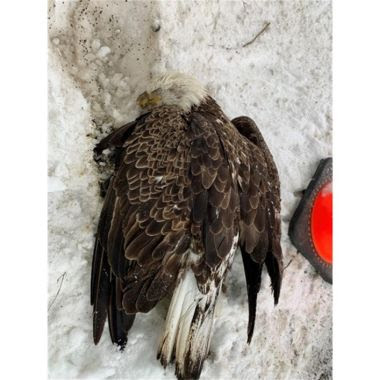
188 327
173 318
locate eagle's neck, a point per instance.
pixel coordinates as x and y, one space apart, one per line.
210 106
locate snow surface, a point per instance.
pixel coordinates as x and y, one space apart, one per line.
101 54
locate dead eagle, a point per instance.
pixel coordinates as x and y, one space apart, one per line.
189 188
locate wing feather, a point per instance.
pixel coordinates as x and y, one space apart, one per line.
253 279
260 216
271 188
212 185
105 286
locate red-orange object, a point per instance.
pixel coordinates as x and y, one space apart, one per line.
321 223
310 228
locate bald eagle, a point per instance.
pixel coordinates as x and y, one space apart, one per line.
189 188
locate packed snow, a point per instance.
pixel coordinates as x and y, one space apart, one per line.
101 54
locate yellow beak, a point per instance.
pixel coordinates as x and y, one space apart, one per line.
146 99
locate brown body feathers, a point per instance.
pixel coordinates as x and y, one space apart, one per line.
189 187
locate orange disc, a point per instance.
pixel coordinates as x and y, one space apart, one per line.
321 223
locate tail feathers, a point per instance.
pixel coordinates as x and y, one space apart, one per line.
253 279
188 328
199 341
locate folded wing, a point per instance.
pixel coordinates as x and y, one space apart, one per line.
260 226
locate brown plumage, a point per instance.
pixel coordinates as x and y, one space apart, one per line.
189 186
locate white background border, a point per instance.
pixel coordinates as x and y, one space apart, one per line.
23 273
356 107
356 67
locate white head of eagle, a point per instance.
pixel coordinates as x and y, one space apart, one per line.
172 88
189 187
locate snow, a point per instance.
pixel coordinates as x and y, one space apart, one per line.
101 55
